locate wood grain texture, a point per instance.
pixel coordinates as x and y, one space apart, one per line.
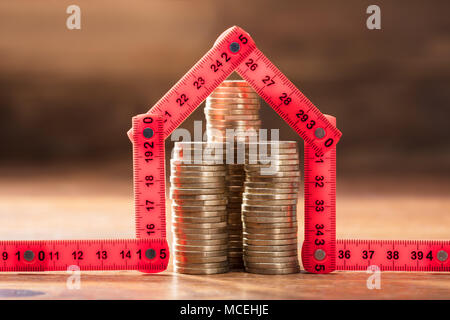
80 204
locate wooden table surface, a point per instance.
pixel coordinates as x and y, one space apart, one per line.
75 204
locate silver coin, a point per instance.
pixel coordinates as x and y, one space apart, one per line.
179 192
253 259
200 242
265 236
195 168
200 254
198 179
269 214
268 207
291 185
196 236
253 158
254 225
199 197
212 111
193 185
202 248
287 247
271 265
191 260
180 231
191 203
269 197
194 220
215 225
270 170
271 220
271 230
205 208
200 214
232 106
201 265
272 202
271 174
271 191
199 174
290 253
272 179
196 271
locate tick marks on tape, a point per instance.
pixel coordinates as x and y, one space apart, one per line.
234 309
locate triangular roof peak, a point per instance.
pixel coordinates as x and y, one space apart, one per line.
235 50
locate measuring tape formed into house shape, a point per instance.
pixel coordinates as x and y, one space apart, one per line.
234 50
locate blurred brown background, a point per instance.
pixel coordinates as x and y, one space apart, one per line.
67 96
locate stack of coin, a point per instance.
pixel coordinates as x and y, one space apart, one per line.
269 209
234 106
199 212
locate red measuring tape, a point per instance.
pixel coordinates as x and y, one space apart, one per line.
321 253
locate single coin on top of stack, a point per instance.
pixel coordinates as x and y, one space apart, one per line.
269 209
234 105
199 212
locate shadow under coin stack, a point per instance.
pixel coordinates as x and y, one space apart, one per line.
234 105
199 213
269 208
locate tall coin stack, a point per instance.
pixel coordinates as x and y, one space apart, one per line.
199 212
269 208
234 105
